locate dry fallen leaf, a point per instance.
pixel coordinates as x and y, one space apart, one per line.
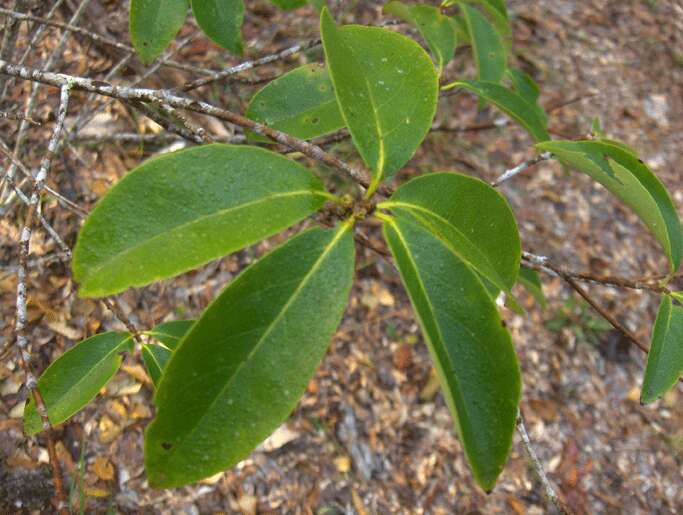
343 464
96 492
137 372
103 468
431 387
109 431
248 504
62 328
282 436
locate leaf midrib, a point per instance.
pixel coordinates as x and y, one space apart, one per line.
304 281
448 244
198 220
432 312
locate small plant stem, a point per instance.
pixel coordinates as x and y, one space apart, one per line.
21 317
538 469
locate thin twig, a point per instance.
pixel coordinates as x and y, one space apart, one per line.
170 99
538 468
20 324
516 170
137 139
31 45
543 264
54 56
247 65
573 283
9 115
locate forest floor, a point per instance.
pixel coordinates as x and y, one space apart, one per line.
372 434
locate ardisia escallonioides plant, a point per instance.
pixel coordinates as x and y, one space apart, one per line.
224 382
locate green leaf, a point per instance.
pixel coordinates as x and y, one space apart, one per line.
627 177
509 102
74 379
221 21
240 370
524 85
153 24
665 359
155 358
532 282
468 216
471 349
438 30
300 103
289 4
178 211
487 45
170 333
527 88
387 89
497 10
677 295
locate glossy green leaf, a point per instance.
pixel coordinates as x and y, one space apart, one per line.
469 216
627 177
524 85
289 4
387 89
471 349
438 30
509 102
461 31
527 88
497 12
74 379
221 21
153 24
487 45
532 283
170 333
241 369
665 359
155 358
178 211
300 103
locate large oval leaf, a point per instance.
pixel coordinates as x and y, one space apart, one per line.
74 378
509 102
387 89
300 103
471 349
153 24
221 21
240 370
181 210
665 359
487 45
469 216
439 31
627 177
